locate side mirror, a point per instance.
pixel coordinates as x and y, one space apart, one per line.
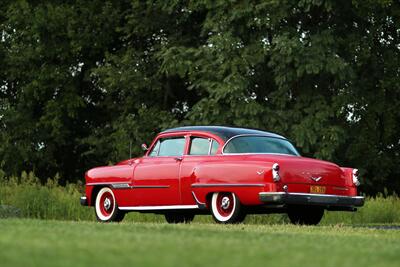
144 147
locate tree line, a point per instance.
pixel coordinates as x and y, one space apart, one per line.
81 79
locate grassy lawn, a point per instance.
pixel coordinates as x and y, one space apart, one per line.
26 242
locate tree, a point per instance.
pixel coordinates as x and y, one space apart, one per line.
81 80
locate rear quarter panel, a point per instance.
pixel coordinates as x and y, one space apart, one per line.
245 178
348 174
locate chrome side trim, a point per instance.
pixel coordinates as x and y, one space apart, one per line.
149 186
173 207
120 186
104 183
197 200
228 185
123 185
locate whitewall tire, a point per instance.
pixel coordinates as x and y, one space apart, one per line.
226 208
106 207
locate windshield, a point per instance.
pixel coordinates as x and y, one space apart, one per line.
259 144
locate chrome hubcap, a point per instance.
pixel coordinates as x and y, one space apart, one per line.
107 203
225 203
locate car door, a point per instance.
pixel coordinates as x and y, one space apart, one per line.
201 149
156 177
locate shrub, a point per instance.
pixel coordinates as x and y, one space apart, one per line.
25 196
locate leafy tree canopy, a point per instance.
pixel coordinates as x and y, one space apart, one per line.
80 80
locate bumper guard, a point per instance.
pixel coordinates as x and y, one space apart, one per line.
83 201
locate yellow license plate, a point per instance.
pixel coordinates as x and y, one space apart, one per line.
316 189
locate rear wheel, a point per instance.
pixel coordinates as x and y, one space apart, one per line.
106 207
226 208
305 215
174 217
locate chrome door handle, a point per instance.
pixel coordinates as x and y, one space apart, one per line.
178 158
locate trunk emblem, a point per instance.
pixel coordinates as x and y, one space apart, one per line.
316 179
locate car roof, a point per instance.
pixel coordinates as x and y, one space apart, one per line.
223 132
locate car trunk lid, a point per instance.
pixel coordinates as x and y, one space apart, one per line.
310 171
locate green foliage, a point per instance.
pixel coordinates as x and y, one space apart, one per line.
50 201
26 197
81 80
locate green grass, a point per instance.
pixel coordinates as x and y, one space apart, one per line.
52 201
27 242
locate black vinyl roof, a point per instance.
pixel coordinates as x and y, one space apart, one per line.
222 131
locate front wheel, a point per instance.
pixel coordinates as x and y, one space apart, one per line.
226 208
305 215
106 207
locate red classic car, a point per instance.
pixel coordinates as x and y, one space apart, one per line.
228 172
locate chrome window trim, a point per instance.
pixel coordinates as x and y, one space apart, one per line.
209 146
260 135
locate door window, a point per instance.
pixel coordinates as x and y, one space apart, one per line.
171 147
203 146
199 146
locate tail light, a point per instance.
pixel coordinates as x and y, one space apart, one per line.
356 182
275 172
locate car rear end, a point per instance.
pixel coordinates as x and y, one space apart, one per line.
304 181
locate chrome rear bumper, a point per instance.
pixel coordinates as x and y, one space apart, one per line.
310 199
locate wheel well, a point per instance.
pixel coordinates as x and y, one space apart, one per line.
208 199
95 191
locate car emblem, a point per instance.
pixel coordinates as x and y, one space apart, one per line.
260 172
316 179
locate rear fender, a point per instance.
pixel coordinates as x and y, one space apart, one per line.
245 180
348 174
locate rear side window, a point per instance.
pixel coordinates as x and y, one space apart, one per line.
199 146
169 147
203 146
214 147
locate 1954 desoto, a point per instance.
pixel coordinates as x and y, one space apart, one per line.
228 172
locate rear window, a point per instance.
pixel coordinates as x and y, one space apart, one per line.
259 144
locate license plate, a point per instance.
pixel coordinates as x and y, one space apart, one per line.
316 189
